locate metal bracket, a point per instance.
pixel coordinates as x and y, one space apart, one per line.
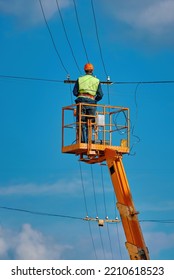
125 210
135 252
68 81
102 221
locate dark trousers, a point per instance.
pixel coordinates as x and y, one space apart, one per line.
86 110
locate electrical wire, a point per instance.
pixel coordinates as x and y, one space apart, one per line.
116 225
83 189
86 208
97 35
104 199
66 35
158 221
71 95
119 243
136 118
51 36
165 221
108 93
146 82
132 127
80 30
61 81
40 213
31 78
95 200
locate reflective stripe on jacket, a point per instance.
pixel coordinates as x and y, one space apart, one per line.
88 84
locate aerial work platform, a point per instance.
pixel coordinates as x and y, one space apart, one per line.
109 127
104 135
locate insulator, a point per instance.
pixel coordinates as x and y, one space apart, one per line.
108 78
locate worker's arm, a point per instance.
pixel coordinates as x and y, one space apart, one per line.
76 89
99 93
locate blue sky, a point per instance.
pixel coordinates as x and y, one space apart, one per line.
137 44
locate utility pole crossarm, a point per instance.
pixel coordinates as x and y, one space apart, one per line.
102 221
68 81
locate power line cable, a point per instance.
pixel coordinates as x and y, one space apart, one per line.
71 96
66 35
78 23
61 81
97 35
116 224
101 240
51 36
83 189
108 91
165 221
106 211
40 213
145 82
119 243
136 118
95 200
86 208
158 221
31 78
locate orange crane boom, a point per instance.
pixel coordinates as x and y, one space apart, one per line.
135 242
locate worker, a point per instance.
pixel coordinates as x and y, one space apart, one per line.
88 90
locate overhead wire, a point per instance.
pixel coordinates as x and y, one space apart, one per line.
119 243
96 208
117 226
98 40
136 118
86 208
39 213
128 120
144 82
158 221
62 81
71 95
95 200
100 50
52 39
80 30
67 38
104 199
108 93
106 75
31 78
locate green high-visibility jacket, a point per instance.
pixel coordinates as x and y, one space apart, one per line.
88 84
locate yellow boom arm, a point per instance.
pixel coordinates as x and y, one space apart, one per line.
135 242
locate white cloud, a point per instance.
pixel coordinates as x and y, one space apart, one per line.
153 16
159 241
61 187
148 20
3 243
167 205
30 244
29 12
